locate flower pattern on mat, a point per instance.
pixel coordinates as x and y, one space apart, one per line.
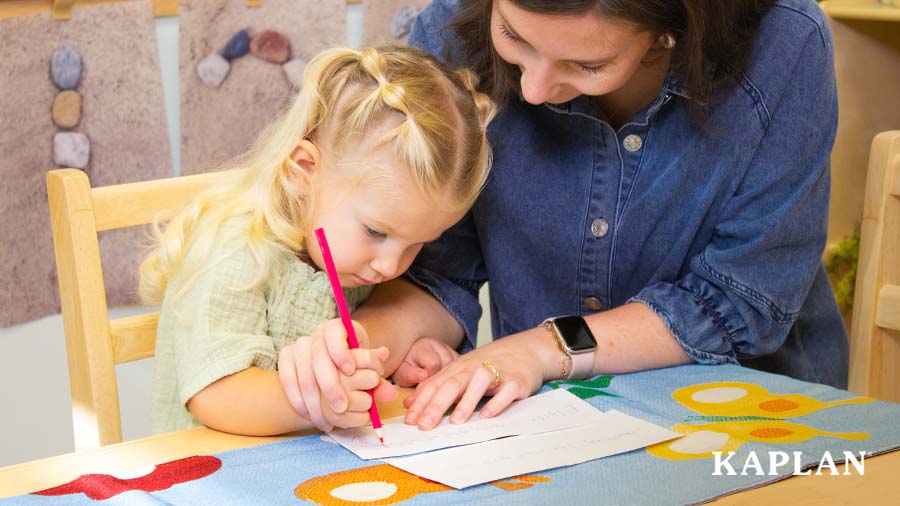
740 412
163 476
384 484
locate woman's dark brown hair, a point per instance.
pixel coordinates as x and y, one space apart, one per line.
714 37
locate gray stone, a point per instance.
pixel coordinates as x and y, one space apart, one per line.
213 70
71 149
294 71
403 20
65 67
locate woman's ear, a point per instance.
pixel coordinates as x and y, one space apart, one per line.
307 161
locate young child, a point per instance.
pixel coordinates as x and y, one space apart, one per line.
385 149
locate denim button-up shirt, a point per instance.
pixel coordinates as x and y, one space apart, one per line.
718 229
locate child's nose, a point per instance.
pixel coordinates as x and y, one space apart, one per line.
387 266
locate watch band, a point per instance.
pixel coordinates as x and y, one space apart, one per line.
574 365
566 360
582 365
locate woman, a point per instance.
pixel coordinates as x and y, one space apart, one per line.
660 176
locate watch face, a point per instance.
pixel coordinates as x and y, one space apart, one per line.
575 331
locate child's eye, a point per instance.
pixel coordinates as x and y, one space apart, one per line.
593 69
511 36
373 232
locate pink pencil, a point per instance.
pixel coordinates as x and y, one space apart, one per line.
345 319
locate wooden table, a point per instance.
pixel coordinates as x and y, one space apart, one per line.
879 485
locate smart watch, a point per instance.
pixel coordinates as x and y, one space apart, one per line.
575 339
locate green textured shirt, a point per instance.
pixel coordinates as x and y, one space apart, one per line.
218 327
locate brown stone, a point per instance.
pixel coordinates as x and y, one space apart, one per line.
271 46
67 109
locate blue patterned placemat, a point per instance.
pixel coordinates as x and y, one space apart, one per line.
764 418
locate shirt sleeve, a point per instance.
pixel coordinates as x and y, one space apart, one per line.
428 33
222 324
744 290
452 270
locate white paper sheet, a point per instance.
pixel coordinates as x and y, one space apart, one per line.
550 411
493 460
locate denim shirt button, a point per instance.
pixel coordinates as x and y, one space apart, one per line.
593 303
632 143
599 228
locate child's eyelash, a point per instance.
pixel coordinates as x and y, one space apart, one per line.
509 35
377 234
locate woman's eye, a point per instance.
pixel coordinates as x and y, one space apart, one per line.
509 35
373 232
593 69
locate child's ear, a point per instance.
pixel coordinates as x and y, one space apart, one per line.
307 157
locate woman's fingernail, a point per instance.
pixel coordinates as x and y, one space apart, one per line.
455 418
340 406
486 414
346 369
426 420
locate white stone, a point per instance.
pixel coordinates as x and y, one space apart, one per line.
213 70
294 71
71 150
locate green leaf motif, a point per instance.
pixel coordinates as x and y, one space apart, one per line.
586 389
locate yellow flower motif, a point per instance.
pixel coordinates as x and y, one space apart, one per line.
743 412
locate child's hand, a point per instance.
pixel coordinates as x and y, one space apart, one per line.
425 358
326 382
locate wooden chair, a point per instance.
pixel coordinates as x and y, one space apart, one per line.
875 332
94 344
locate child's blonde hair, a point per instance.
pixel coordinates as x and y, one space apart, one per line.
345 94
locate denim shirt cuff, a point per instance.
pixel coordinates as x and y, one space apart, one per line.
460 302
694 325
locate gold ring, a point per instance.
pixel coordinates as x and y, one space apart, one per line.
489 366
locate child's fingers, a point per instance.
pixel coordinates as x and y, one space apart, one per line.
327 378
338 350
368 359
360 401
287 374
385 391
362 335
309 389
362 379
352 419
408 375
382 353
446 353
428 359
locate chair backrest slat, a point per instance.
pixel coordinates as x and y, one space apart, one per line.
94 344
875 330
134 337
132 204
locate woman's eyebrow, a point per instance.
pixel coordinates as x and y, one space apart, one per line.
587 63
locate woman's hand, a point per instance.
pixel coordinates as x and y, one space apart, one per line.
326 382
519 361
425 358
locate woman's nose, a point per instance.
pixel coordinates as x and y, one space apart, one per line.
538 84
